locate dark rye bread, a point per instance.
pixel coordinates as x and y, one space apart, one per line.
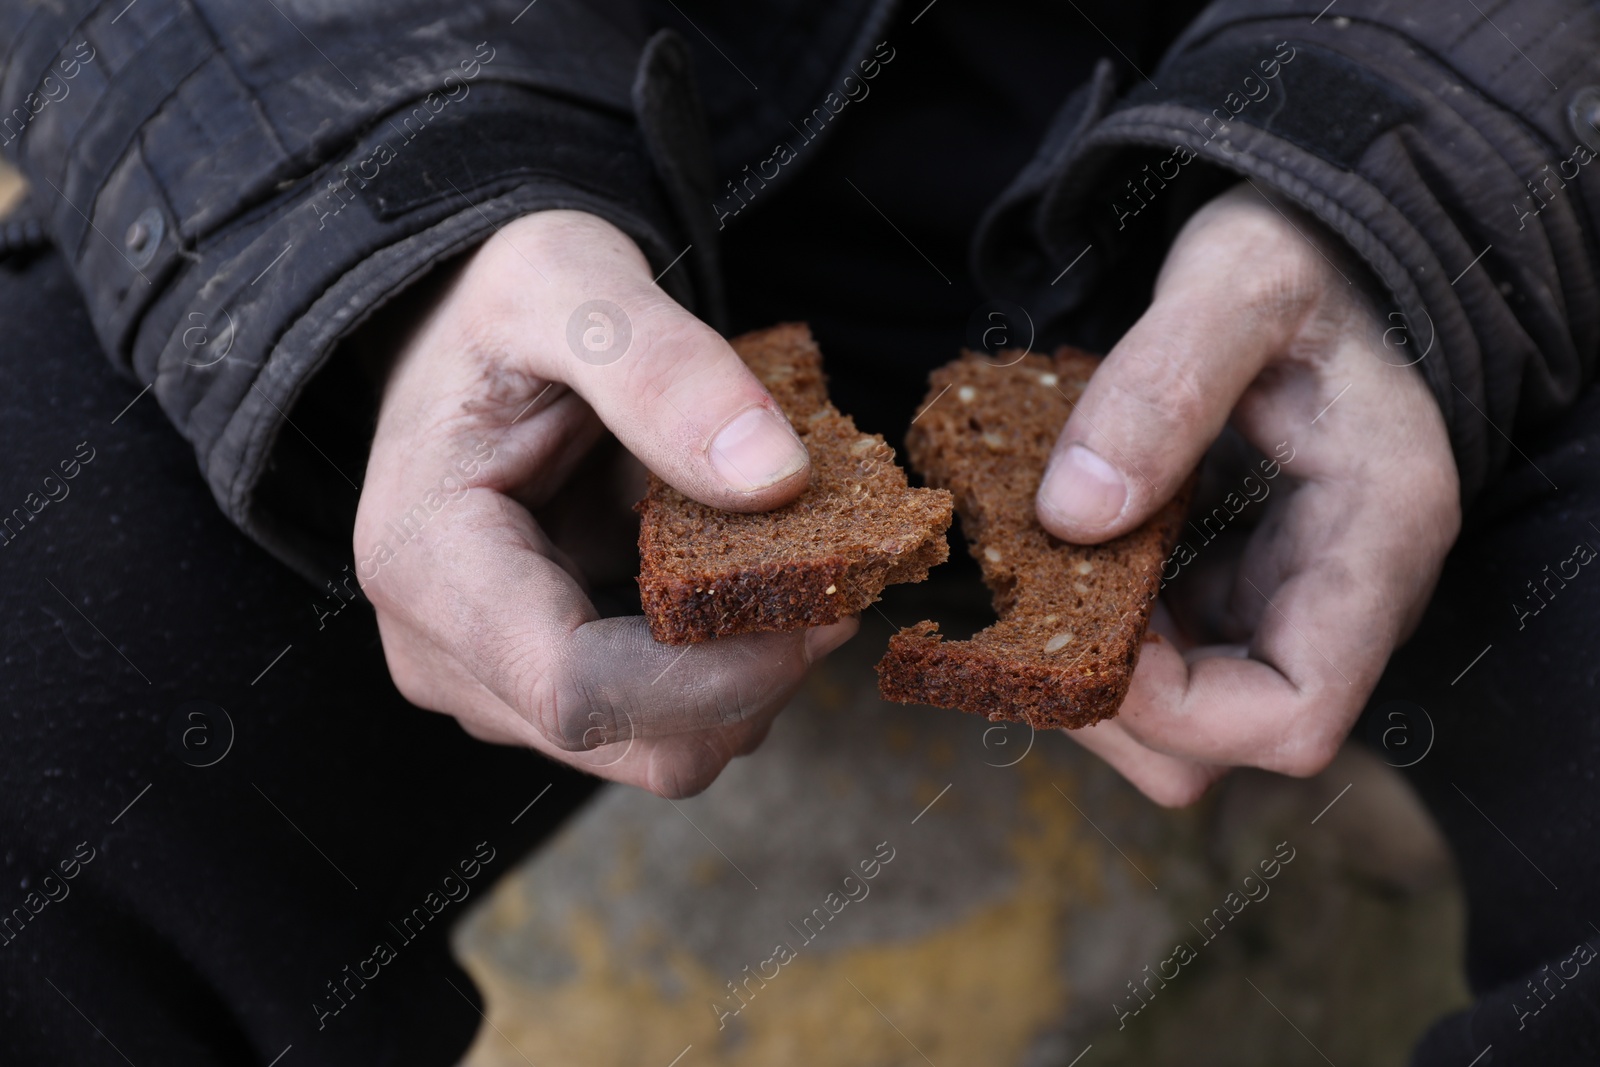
1071 617
827 554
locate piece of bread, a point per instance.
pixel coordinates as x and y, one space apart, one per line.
1072 617
827 554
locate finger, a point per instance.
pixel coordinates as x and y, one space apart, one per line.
671 388
1283 704
1167 780
521 626
1327 602
536 456
1164 392
611 681
415 477
677 766
1327 587
689 408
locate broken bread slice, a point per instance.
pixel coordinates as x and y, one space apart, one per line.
1071 617
829 553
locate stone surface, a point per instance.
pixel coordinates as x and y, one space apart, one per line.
12 189
1021 900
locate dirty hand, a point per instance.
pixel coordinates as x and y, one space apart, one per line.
1256 317
487 408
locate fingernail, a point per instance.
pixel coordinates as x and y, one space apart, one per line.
821 640
756 449
1082 490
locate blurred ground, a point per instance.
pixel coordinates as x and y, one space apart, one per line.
11 189
1005 930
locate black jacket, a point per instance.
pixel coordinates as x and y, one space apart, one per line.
239 185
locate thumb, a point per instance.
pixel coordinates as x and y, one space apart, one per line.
673 391
684 402
1165 391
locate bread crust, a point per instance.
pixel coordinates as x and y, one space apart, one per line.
856 528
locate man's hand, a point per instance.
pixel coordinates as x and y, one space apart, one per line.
1253 319
488 407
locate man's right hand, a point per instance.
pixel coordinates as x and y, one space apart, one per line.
488 407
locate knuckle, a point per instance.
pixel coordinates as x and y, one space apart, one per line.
408 679
514 258
1179 792
1285 278
544 694
752 739
381 594
1262 235
1275 305
566 717
1306 755
685 770
570 241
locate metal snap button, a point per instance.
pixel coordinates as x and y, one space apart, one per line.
1583 114
144 237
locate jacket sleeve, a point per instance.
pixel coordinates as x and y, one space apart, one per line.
237 185
1452 145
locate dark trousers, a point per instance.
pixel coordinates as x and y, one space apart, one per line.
1515 734
214 806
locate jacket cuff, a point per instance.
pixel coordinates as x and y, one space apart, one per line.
233 334
1492 291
